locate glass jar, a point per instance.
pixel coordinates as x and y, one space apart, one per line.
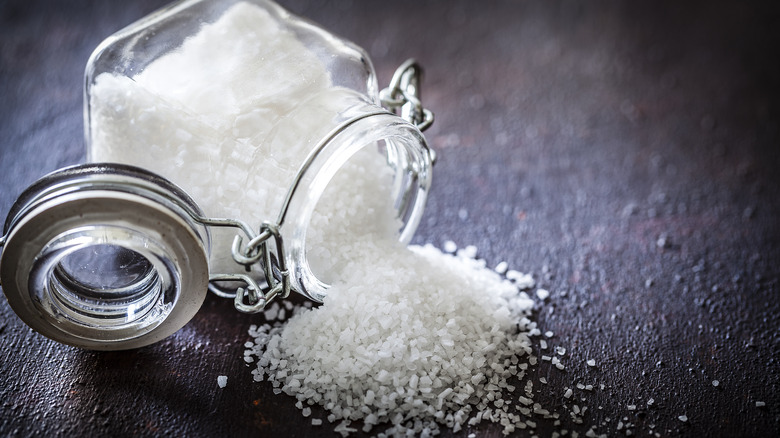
225 122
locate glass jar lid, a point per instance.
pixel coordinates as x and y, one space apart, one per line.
104 256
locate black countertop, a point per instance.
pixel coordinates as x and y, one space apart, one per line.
625 153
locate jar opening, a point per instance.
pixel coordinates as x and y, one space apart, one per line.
105 271
107 282
368 181
80 282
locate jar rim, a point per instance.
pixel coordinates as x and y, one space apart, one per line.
326 159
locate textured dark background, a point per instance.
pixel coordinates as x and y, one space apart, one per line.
625 153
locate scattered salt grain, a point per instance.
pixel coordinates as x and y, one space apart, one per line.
760 404
631 407
450 247
501 268
715 383
271 312
683 418
542 294
316 422
222 381
591 362
549 334
521 280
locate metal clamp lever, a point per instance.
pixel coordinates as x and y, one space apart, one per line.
404 92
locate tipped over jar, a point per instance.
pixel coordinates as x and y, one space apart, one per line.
232 146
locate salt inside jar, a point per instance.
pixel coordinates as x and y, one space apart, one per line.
250 112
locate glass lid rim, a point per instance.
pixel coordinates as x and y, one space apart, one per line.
91 173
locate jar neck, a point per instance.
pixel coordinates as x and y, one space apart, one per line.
405 161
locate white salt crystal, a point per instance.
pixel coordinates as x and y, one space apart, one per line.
591 362
501 268
542 294
271 312
521 280
760 404
450 247
468 252
715 383
683 418
222 381
549 334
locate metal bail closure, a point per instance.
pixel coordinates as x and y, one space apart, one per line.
104 256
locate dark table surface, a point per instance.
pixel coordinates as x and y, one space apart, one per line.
625 153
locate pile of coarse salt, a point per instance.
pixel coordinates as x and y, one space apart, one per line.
408 337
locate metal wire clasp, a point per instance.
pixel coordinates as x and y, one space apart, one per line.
404 92
253 297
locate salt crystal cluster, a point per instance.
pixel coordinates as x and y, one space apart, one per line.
408 338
